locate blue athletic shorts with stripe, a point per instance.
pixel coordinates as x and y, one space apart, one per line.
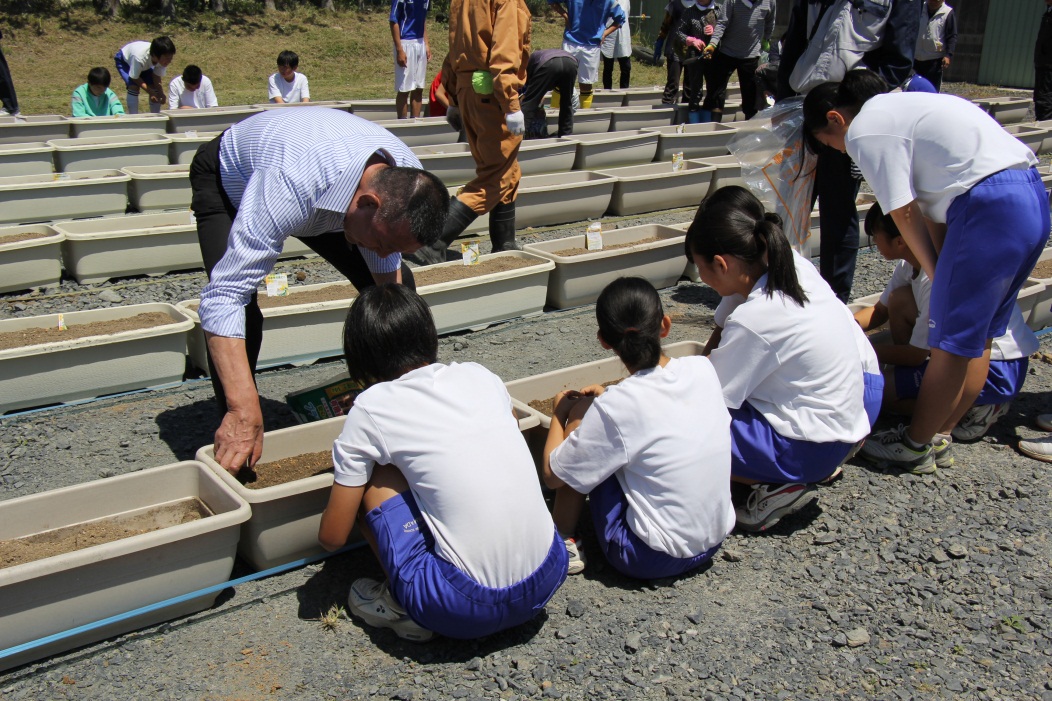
1003 383
760 453
442 598
995 234
123 68
624 550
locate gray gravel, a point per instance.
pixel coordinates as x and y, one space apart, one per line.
888 587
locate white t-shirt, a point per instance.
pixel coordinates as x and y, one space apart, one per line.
930 148
179 96
137 54
665 434
294 91
450 431
801 367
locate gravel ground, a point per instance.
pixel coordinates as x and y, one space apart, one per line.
888 587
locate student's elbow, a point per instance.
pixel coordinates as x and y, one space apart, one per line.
550 479
330 540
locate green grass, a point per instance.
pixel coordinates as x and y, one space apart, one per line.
346 55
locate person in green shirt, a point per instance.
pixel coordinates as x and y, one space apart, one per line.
94 98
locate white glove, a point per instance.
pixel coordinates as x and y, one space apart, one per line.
516 123
453 118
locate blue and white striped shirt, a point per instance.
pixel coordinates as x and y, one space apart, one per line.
289 172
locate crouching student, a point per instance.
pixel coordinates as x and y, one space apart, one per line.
94 98
456 517
904 306
651 453
800 379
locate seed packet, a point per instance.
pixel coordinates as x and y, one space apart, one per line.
469 253
277 285
593 237
678 163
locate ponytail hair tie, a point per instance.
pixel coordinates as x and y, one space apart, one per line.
631 329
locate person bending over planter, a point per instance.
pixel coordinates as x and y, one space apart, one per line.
971 207
350 190
653 454
800 379
456 518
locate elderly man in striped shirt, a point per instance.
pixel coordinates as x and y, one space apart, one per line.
349 189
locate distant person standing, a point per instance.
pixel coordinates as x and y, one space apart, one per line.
191 90
618 47
141 65
588 23
745 27
288 85
8 98
411 54
548 69
1043 66
662 46
936 41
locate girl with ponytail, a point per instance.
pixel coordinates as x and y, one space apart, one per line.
800 379
653 453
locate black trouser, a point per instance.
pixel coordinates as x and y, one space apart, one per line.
7 87
1043 93
932 70
673 76
561 73
215 214
766 78
836 190
625 63
719 73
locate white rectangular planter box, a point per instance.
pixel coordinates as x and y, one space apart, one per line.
35 198
590 121
693 140
95 250
814 241
728 171
579 279
1009 110
452 163
184 146
1046 143
341 105
1041 316
98 152
559 198
375 110
30 158
639 117
158 187
29 263
608 98
1033 302
477 302
1030 134
49 596
654 186
119 125
455 165
84 368
613 149
544 156
207 118
293 334
639 97
422 131
39 127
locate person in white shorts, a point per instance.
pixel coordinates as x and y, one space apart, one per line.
411 54
588 22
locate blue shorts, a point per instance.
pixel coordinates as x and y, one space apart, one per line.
123 68
995 234
444 599
626 551
1004 382
760 453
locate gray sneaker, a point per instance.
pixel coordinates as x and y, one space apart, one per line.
942 449
576 557
371 601
888 449
770 503
978 420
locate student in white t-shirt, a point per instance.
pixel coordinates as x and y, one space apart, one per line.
191 90
971 207
287 85
904 307
453 511
141 65
652 453
800 379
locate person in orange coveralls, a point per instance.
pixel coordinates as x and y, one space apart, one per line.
489 47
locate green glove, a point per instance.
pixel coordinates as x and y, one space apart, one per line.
482 82
765 45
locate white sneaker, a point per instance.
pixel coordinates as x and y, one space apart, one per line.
1038 448
1044 422
978 420
371 601
576 557
769 503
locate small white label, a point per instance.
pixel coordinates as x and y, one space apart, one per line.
678 163
679 128
61 176
62 323
191 133
193 218
469 253
277 285
593 237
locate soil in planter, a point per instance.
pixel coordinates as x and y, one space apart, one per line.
329 293
569 252
1043 270
85 535
24 236
269 474
51 334
450 273
545 405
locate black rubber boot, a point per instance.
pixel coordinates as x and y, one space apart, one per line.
502 228
459 218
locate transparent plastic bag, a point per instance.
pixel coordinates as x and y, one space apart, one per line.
777 167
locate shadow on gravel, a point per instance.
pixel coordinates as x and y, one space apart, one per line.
187 428
696 294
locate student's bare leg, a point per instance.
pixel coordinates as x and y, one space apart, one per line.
949 388
567 510
387 482
402 105
902 315
417 99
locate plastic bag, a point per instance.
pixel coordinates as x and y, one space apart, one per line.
777 167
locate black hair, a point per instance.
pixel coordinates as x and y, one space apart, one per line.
414 196
162 46
388 332
848 96
877 221
629 313
191 75
288 58
732 222
99 76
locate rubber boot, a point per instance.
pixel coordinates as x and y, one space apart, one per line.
717 116
694 117
554 104
586 100
459 218
502 228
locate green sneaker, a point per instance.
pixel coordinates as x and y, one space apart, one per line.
888 449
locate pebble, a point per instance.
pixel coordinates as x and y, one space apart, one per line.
110 296
857 637
575 608
633 641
